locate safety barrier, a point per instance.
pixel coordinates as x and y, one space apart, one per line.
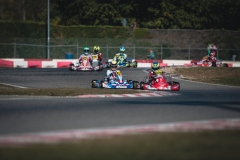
64 63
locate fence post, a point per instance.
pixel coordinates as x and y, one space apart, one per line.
134 52
161 50
107 50
189 48
77 49
15 49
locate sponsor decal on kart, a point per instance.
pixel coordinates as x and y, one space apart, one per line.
105 85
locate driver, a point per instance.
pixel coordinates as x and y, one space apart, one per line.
120 55
155 66
85 54
96 52
109 74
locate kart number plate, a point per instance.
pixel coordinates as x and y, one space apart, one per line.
122 86
94 56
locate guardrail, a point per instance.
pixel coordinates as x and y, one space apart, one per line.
64 63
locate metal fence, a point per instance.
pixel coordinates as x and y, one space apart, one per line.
59 48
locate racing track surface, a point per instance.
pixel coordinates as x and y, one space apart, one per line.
20 114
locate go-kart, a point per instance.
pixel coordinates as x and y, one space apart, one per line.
85 65
129 62
159 83
116 81
210 62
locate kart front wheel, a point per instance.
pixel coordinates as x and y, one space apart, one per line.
95 84
142 84
101 84
175 86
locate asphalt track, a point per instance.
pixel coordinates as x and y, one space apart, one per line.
24 114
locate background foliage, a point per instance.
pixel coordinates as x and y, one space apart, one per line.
157 14
173 25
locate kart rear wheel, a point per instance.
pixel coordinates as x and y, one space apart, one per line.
135 84
225 65
134 64
71 66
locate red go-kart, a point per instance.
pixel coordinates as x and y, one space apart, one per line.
160 83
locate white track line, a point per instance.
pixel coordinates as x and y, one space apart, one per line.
60 136
12 85
153 94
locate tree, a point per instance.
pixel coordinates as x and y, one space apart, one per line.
164 14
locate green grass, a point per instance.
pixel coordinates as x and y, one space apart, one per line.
202 145
8 90
217 75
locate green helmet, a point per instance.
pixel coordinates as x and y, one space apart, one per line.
86 50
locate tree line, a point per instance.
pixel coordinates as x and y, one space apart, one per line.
152 14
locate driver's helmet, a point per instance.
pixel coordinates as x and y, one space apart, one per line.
86 50
122 50
113 65
155 66
96 49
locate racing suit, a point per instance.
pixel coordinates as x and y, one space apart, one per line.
99 57
152 76
120 56
82 56
109 75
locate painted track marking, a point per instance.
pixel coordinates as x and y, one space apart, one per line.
60 136
153 94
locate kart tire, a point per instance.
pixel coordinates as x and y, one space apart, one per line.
129 81
127 65
94 84
71 67
176 83
135 84
225 65
214 64
134 64
99 68
101 84
108 64
141 85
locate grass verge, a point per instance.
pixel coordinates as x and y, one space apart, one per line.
216 75
8 90
214 145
